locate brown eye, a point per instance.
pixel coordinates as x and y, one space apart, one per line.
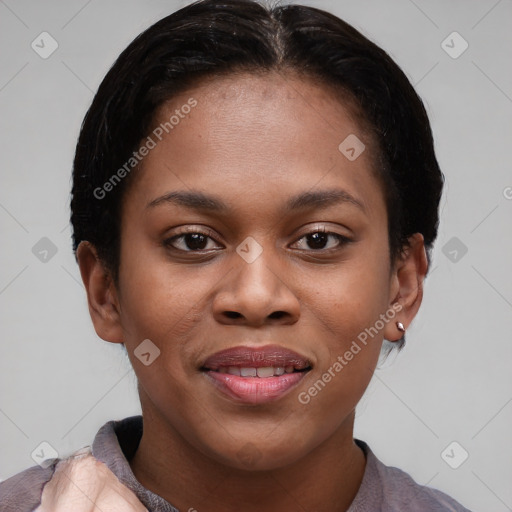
319 240
190 241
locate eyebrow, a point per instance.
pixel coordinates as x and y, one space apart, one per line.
306 200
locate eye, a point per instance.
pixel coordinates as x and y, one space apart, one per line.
319 240
190 241
193 240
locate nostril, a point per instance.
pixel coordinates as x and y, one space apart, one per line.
277 314
232 314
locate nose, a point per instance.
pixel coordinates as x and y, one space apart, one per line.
257 293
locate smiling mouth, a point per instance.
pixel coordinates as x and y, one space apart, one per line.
255 375
262 372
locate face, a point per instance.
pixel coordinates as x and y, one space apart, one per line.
250 241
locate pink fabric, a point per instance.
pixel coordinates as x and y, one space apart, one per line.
81 483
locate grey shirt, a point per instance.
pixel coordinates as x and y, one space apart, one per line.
383 488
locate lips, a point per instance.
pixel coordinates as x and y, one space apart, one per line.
255 375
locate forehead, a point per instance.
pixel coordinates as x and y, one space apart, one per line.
246 130
271 108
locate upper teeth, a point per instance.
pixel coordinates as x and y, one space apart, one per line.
264 371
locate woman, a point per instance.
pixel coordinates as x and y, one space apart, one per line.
255 199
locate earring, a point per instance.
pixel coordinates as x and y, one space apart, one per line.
400 327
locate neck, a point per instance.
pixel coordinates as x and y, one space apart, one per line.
327 479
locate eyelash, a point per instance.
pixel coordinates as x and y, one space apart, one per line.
342 240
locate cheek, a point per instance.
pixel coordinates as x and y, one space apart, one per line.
158 300
351 301
350 298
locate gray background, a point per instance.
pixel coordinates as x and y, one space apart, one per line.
60 383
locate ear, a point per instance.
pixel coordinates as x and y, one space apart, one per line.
101 294
406 285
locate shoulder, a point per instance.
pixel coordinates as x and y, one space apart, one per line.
22 492
393 489
71 483
400 490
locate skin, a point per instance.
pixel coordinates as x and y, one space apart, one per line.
253 141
